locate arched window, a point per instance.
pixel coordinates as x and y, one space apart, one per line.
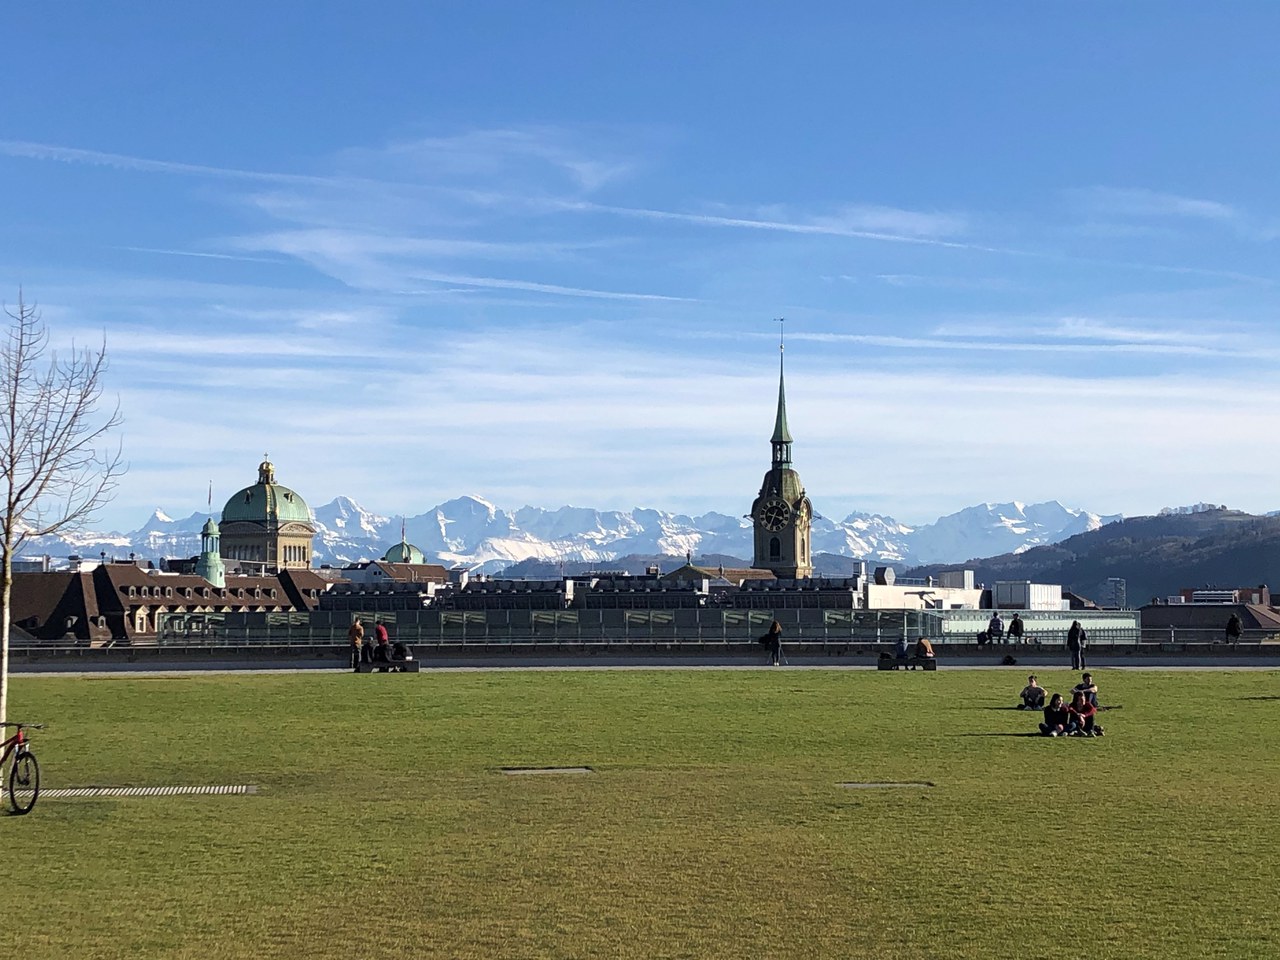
775 549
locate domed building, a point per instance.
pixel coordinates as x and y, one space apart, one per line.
267 527
404 552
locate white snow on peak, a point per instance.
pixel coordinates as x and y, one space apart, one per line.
472 530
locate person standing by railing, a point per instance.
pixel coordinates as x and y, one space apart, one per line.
1234 628
356 637
1076 641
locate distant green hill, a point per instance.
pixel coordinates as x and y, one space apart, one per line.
1157 556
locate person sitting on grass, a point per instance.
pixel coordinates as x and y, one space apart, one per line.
1056 717
1088 688
1032 695
1082 716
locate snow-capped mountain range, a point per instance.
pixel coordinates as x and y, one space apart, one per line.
474 532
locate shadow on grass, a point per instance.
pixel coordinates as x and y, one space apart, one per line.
1031 734
1270 697
1006 708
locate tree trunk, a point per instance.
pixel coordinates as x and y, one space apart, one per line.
6 594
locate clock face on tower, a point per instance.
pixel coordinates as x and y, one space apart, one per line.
774 514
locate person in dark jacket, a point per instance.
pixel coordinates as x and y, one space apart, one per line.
1056 717
1234 628
1088 688
773 641
1015 628
1076 641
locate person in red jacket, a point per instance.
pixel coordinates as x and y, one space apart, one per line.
383 653
1082 716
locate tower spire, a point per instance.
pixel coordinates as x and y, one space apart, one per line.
781 440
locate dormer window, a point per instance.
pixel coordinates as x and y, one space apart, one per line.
132 592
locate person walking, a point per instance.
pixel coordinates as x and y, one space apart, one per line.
1076 641
1015 628
355 635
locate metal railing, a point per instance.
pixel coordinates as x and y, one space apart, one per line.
823 627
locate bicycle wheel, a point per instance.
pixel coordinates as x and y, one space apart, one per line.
24 782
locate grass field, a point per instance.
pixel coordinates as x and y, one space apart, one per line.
712 827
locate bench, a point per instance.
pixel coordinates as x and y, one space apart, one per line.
907 663
390 666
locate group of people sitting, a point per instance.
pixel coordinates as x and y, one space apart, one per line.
1077 719
995 632
377 649
922 649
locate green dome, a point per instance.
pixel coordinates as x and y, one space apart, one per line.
210 528
404 553
266 501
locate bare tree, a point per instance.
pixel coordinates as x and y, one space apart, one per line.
55 473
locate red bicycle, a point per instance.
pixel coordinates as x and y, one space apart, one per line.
24 774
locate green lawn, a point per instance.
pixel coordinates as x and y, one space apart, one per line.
712 827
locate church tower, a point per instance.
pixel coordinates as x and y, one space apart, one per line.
782 513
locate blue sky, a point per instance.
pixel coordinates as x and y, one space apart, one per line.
533 251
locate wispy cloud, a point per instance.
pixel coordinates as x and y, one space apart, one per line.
498 155
942 282
499 283
830 226
120 161
1139 202
203 255
1104 340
